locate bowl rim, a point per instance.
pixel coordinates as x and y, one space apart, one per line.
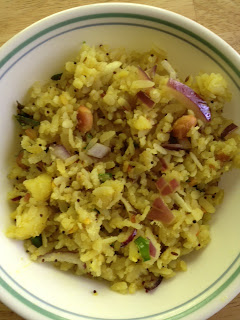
217 44
222 47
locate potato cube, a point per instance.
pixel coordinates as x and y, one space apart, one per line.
30 223
40 187
142 123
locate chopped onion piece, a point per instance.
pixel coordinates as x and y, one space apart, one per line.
98 151
229 129
145 99
154 214
161 183
174 184
60 151
164 164
166 65
166 190
165 187
164 216
143 75
152 249
160 212
129 239
190 99
158 203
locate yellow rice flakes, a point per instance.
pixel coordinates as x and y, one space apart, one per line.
85 208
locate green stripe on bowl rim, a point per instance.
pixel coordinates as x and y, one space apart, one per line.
139 17
185 313
122 15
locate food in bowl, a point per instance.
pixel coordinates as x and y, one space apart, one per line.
120 160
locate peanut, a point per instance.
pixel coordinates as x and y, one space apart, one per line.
182 125
85 119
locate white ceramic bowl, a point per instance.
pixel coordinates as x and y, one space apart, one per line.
42 292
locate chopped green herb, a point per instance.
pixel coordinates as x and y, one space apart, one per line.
84 41
104 176
37 241
24 114
25 120
143 248
98 212
89 136
56 76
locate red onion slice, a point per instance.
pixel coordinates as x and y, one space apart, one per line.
229 129
129 239
190 99
145 99
143 75
160 212
152 249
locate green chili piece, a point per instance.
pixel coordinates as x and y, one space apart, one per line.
143 248
37 241
56 76
104 176
25 120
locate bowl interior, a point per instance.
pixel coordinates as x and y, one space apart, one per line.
58 293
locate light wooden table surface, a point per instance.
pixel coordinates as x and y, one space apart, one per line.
221 16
